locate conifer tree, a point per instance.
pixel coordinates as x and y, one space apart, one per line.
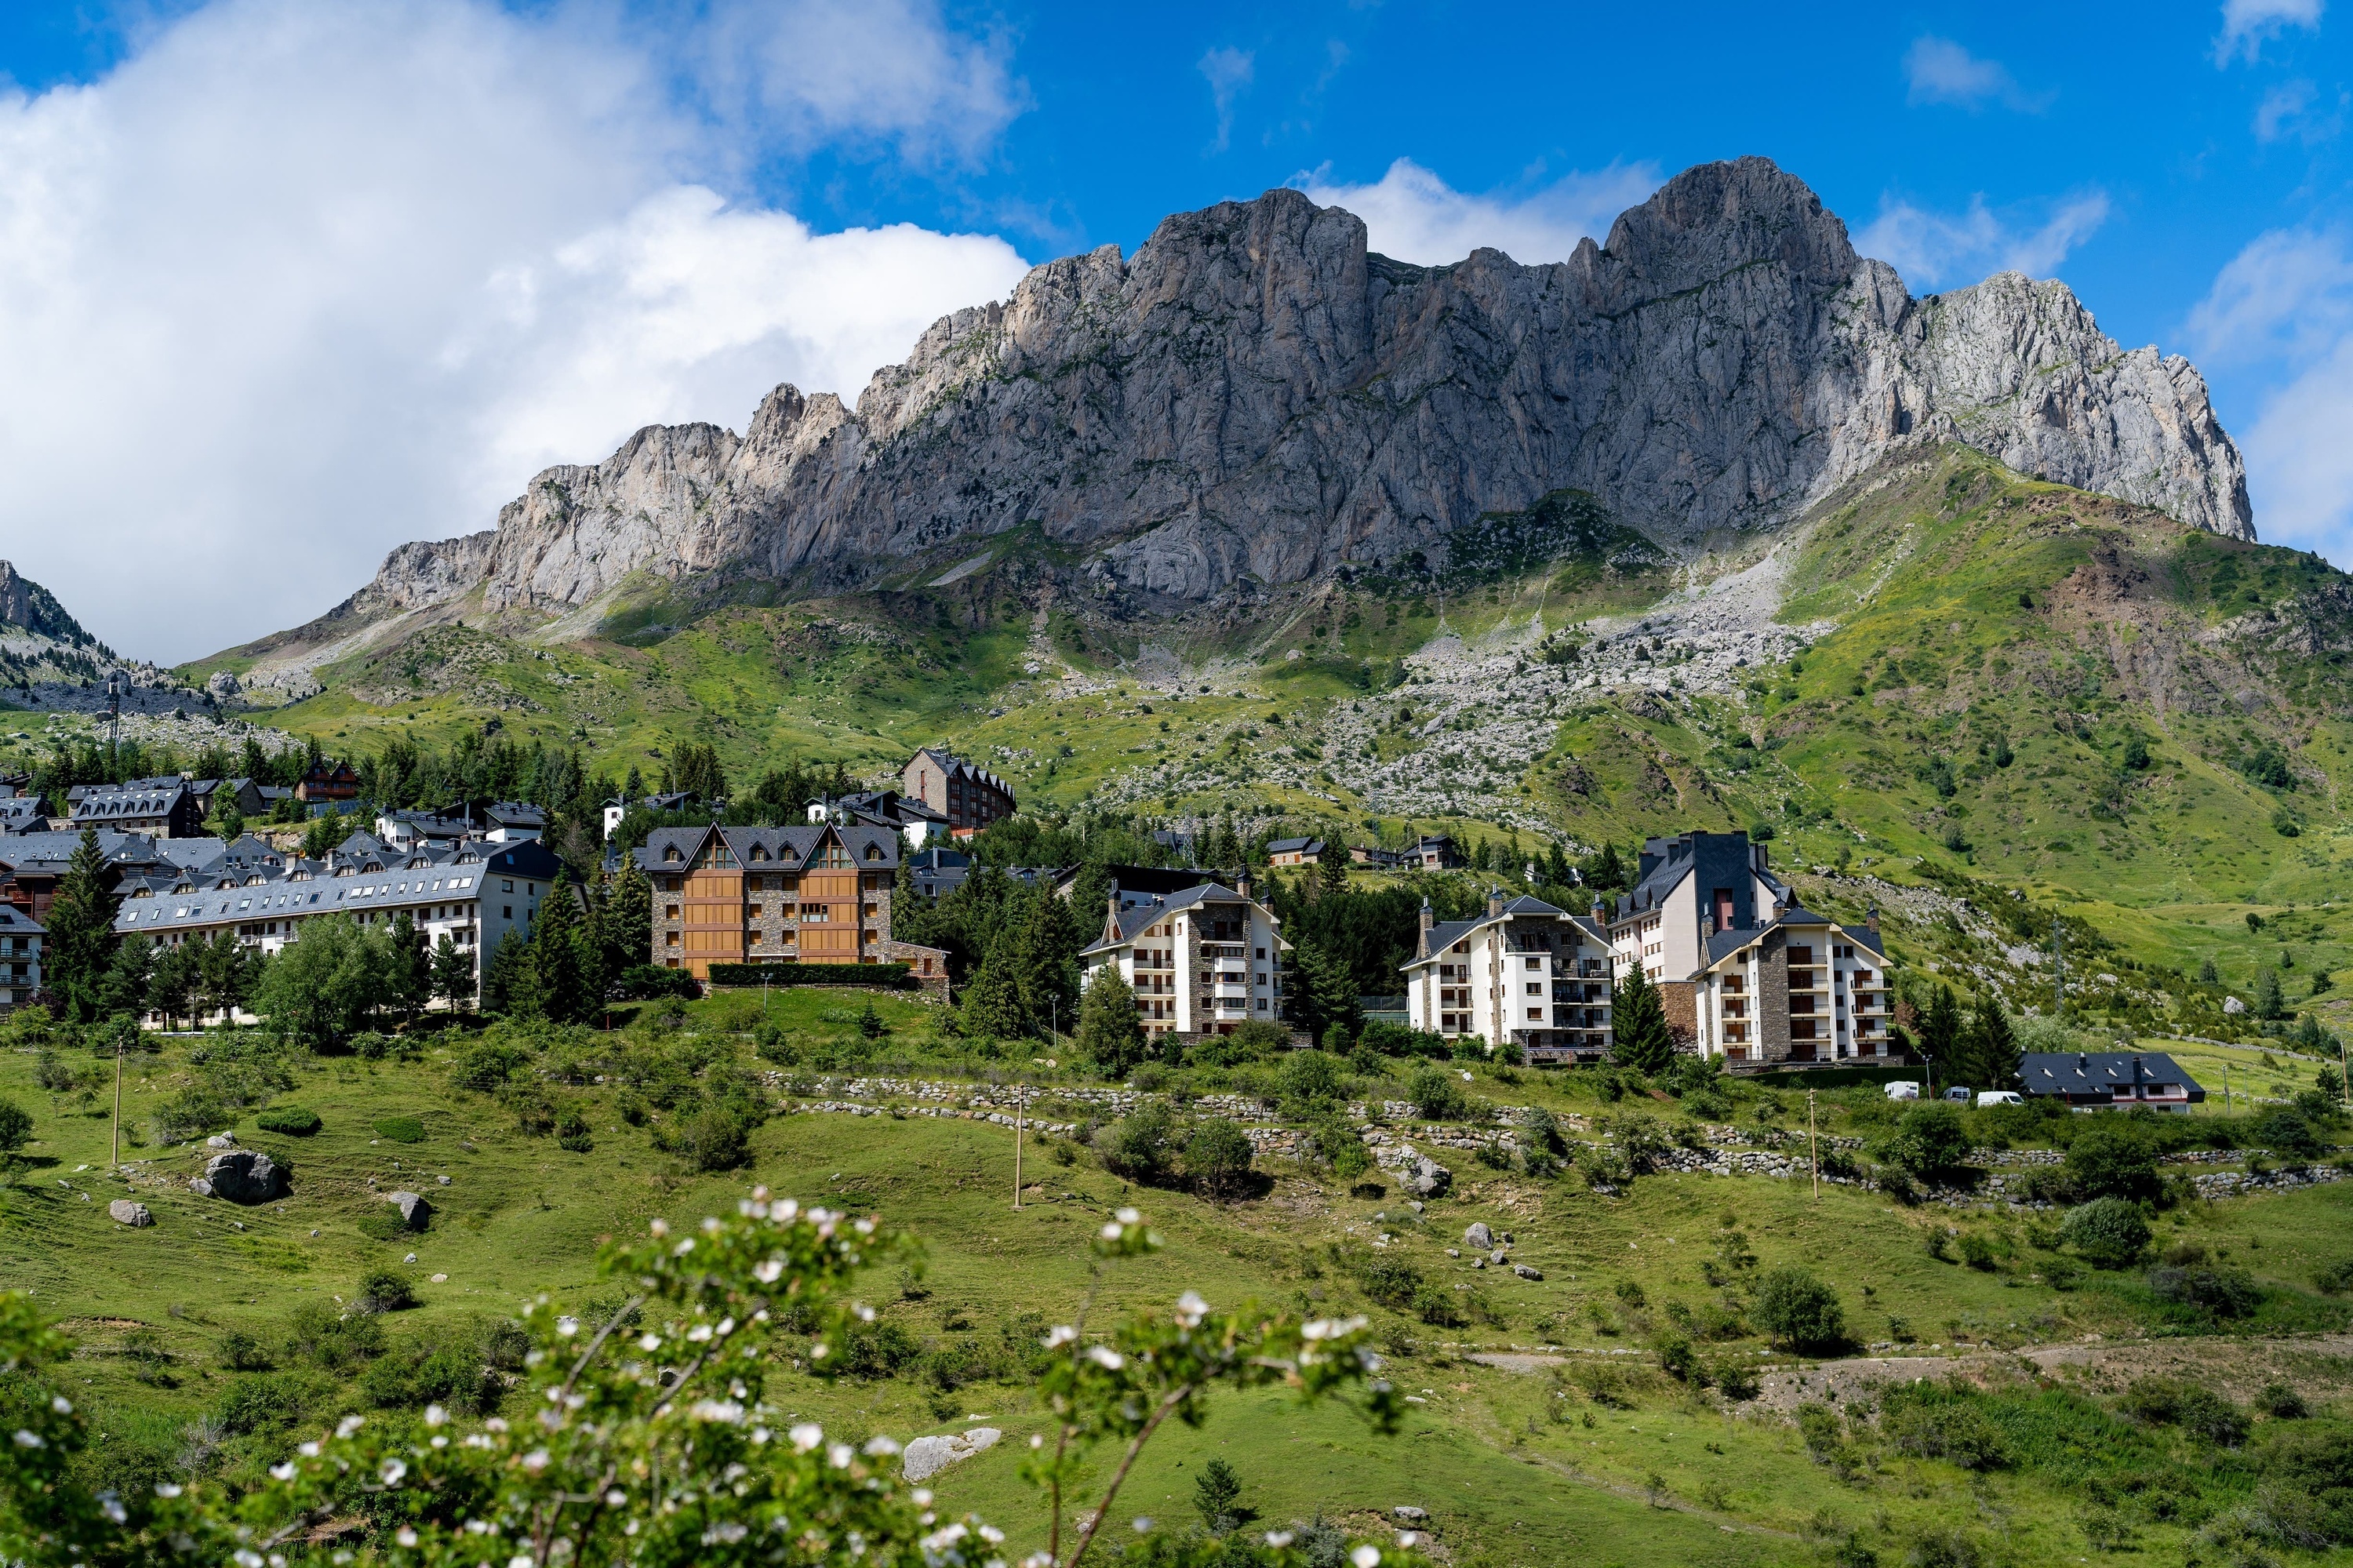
507 984
124 990
1989 1055
408 969
558 985
1608 873
1639 1037
1940 1030
80 946
2270 1002
991 1006
1109 1035
453 973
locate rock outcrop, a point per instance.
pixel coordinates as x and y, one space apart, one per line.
416 1212
1255 394
123 1211
242 1176
927 1456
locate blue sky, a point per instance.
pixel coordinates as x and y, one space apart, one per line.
309 281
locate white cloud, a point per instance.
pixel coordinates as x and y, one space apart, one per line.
1938 70
1413 216
2248 25
1932 249
2294 109
1228 71
296 283
889 70
2284 307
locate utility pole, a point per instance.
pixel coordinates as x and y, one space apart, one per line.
114 1158
1016 1147
1814 1143
2226 1088
2058 967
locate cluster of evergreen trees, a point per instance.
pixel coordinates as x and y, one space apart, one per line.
1981 1050
65 765
577 950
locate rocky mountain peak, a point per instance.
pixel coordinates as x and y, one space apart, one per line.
1254 395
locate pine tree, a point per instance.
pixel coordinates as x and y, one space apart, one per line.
453 973
1109 1035
1332 870
409 973
1989 1055
1639 1037
1322 992
172 984
80 947
625 929
559 989
1940 1030
991 1006
2270 1002
124 990
1038 954
507 984
1608 874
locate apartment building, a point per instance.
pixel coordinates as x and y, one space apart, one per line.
777 895
165 808
970 798
474 894
1522 973
21 940
1745 973
1201 960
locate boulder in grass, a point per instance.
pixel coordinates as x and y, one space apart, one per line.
243 1176
927 1456
1479 1236
1524 1271
123 1211
415 1212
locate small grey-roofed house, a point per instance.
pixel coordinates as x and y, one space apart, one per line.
164 806
1293 852
513 822
23 814
2101 1080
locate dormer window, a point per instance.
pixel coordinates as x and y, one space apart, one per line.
671 854
874 852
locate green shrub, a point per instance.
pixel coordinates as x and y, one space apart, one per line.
1932 1423
2108 1233
291 1121
486 1063
1930 1142
268 1403
331 1341
2109 1156
2202 1410
1311 1077
572 1132
2223 1292
1217 1158
1389 1281
878 1349
2289 1133
240 1351
1140 1146
384 1290
400 1129
890 976
1437 1094
1797 1310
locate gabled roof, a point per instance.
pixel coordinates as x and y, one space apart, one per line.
785 849
1721 945
1446 933
1128 923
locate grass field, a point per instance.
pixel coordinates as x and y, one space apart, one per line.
1592 1457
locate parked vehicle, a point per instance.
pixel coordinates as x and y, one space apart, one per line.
1999 1097
1958 1094
1902 1089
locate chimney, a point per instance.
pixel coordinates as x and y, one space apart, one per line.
1426 917
1241 884
1870 919
2083 1063
1600 911
1777 908
1495 901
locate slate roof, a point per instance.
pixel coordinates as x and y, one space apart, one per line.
1133 922
16 923
229 891
1446 933
786 849
2098 1075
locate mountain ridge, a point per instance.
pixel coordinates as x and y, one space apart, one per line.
1257 396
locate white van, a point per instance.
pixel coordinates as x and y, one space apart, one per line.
1902 1089
1999 1097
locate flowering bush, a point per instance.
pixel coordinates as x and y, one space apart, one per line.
649 1440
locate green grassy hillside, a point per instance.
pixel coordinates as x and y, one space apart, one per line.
1568 1440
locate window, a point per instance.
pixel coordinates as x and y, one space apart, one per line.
1536 1015
507 911
507 886
1535 964
669 853
1534 989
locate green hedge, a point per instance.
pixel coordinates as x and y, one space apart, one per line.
291 1121
888 976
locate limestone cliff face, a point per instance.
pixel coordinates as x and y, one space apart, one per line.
1254 394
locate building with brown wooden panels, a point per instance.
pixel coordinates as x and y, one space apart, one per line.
777 895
